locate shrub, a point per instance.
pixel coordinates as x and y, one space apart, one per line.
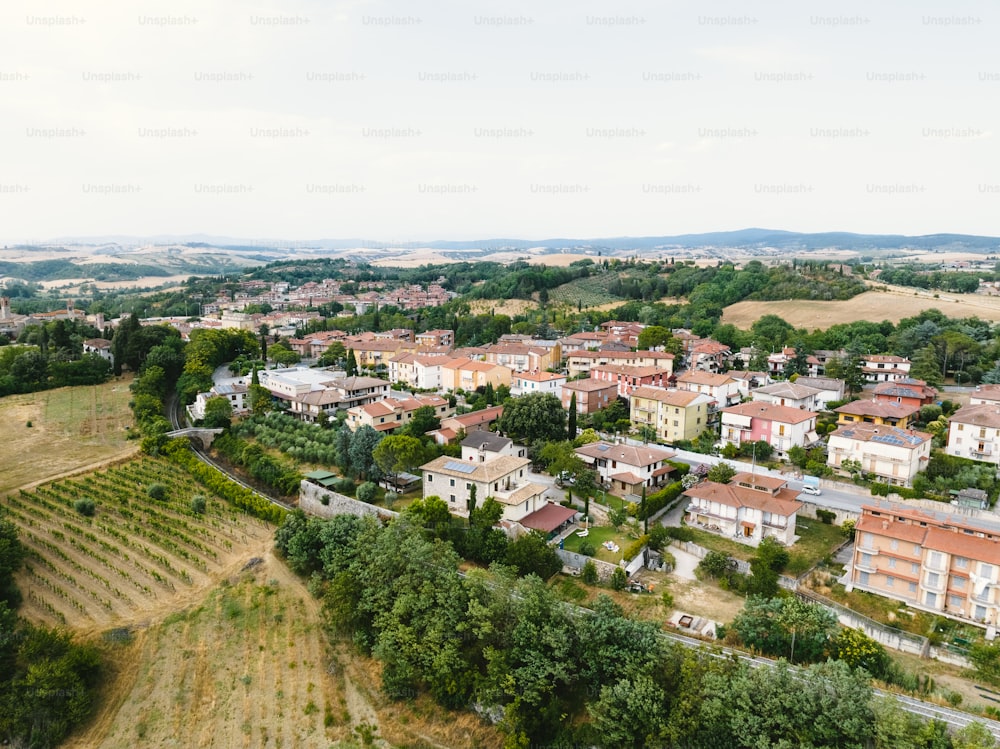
28 425
668 599
157 492
825 516
198 504
589 573
619 579
633 549
681 533
366 492
587 549
344 486
85 506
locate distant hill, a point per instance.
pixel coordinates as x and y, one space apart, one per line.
754 238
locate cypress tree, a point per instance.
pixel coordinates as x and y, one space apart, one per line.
572 417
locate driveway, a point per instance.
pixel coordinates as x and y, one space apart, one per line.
686 563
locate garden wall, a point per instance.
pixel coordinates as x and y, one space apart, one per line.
311 498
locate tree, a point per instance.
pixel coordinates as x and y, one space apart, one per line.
926 366
571 429
396 453
333 355
786 628
352 363
531 555
721 472
647 433
366 492
218 412
771 558
424 420
11 558
536 416
559 458
363 444
653 336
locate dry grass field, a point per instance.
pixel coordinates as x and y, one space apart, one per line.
876 306
71 428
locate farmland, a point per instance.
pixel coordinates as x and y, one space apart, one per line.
893 305
591 291
136 557
70 428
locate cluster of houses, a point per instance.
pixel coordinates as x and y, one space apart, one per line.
928 559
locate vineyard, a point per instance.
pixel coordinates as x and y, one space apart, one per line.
591 291
136 555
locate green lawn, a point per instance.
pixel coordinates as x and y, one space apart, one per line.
816 541
598 535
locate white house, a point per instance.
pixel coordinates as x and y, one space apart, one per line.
891 454
790 394
505 478
884 367
627 468
482 447
748 509
974 432
537 381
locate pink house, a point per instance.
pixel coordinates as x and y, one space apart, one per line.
782 427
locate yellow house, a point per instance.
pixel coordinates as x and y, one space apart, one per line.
676 414
469 374
877 412
378 353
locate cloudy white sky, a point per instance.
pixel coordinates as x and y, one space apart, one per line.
445 119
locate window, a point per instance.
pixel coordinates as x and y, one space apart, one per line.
955 601
866 560
452 482
986 570
936 559
911 587
430 478
933 579
958 583
930 600
892 563
916 550
452 499
468 486
890 582
979 613
961 562
866 540
894 544
864 578
914 568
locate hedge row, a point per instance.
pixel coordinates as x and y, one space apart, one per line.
179 451
659 500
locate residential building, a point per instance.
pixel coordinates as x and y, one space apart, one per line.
309 392
884 367
421 371
504 478
99 346
790 394
748 509
521 357
888 454
435 338
876 412
234 390
537 381
468 374
628 377
831 389
591 395
377 353
907 390
940 562
722 388
747 380
473 421
676 414
782 427
985 394
391 413
710 356
974 432
627 469
480 447
581 362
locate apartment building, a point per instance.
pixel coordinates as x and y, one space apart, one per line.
974 433
890 454
781 427
676 414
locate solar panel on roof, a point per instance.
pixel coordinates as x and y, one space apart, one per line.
602 448
887 439
454 465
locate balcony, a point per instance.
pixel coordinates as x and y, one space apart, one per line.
986 452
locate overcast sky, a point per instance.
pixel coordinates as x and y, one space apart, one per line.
439 119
